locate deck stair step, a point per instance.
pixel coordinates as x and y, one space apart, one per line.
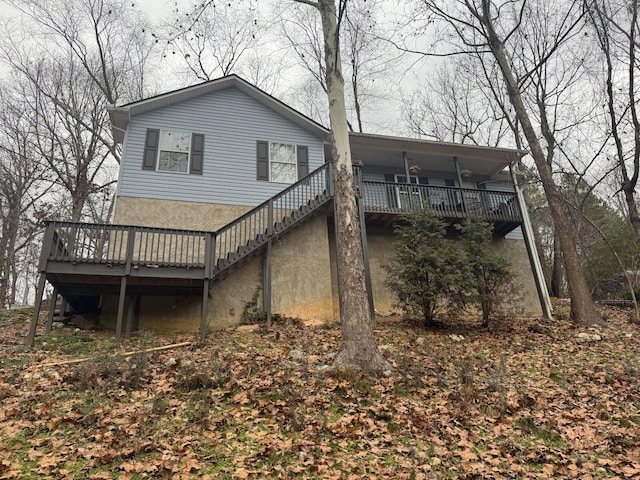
299 201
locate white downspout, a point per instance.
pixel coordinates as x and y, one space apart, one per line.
534 259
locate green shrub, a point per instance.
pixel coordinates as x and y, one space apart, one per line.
494 284
431 272
428 272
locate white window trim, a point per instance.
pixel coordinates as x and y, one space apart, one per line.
295 162
178 151
412 177
402 190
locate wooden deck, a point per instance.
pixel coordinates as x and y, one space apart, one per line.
384 202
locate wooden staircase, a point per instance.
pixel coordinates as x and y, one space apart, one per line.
252 231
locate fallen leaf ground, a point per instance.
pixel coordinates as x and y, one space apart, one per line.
526 399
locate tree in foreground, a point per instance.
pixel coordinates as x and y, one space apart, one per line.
494 285
358 349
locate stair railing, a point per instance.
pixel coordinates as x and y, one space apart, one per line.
253 229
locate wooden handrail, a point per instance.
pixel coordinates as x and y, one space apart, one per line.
131 245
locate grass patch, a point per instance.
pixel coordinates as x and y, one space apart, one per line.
67 342
548 437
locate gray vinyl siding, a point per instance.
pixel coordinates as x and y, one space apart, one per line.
232 123
377 174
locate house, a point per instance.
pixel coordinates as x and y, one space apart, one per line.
224 206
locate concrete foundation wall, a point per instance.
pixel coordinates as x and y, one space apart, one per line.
167 313
304 273
380 242
380 251
300 280
515 251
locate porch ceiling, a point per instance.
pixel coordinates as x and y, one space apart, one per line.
385 151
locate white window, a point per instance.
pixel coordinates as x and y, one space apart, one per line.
283 163
408 195
173 152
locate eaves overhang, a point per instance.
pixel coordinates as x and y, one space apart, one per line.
387 151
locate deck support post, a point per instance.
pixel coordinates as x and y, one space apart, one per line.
131 313
357 171
266 268
36 310
365 253
121 297
63 305
405 161
456 164
52 309
534 259
204 315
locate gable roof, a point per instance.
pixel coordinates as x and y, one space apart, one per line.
120 115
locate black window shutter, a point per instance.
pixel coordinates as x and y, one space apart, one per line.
423 180
450 182
262 155
388 177
303 161
197 153
150 149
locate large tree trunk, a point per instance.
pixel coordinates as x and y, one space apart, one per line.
582 307
634 215
359 349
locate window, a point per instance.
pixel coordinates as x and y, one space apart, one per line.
174 150
281 162
408 195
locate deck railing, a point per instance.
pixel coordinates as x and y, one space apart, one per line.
76 242
447 202
254 227
136 247
133 246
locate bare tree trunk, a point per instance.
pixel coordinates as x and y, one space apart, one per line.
582 307
359 349
356 99
634 214
556 268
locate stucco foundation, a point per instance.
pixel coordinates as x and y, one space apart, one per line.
380 244
300 279
515 251
147 212
304 274
167 313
